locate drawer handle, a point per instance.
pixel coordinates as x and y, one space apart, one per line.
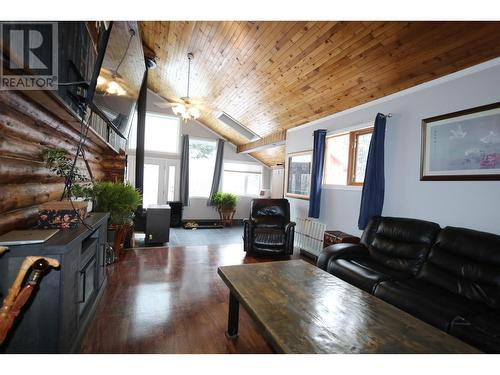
83 283
103 263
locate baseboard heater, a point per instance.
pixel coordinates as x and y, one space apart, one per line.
309 236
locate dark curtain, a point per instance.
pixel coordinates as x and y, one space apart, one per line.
372 198
217 172
317 172
184 185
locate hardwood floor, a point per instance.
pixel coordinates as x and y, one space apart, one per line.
171 300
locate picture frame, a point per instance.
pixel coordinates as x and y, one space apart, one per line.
462 146
298 175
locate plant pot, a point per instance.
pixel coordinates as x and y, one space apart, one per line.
89 204
226 216
119 232
61 214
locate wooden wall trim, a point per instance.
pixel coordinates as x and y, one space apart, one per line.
272 140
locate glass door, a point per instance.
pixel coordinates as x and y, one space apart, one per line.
153 175
161 178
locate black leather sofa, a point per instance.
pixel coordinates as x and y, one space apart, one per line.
449 277
269 230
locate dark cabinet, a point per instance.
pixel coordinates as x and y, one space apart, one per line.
101 258
56 318
333 237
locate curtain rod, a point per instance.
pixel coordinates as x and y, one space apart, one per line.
389 115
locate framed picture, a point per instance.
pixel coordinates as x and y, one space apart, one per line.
298 175
462 145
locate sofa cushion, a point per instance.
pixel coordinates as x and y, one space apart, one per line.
363 273
467 263
482 331
428 302
401 244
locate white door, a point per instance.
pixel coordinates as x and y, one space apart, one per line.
161 178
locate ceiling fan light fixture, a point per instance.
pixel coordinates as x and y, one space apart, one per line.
179 110
114 88
187 110
194 112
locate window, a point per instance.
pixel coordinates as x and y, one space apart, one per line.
360 155
242 179
202 154
345 157
162 133
336 160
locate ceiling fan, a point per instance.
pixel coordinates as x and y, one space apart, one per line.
186 107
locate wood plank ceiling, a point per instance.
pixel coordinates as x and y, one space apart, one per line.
272 76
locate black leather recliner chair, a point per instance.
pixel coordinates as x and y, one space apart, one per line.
449 277
269 229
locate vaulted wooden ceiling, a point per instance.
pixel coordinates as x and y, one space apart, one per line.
278 75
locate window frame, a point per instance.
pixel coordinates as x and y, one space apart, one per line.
352 153
243 172
287 171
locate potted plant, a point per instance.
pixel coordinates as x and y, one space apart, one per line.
226 205
120 200
64 213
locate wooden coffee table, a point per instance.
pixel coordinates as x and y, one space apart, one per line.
303 309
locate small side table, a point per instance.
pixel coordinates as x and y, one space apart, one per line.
333 237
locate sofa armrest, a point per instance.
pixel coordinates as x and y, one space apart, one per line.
248 225
340 250
289 226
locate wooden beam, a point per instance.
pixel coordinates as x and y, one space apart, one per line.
273 140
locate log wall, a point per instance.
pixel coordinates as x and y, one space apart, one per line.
26 129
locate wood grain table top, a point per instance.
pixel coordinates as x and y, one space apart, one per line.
303 309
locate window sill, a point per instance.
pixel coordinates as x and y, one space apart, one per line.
342 187
248 196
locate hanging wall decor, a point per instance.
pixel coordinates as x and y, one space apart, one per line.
298 176
462 145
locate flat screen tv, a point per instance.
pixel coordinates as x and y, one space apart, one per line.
115 89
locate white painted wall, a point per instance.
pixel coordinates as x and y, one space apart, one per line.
471 204
277 181
198 208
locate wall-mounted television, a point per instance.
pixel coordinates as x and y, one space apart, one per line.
114 91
